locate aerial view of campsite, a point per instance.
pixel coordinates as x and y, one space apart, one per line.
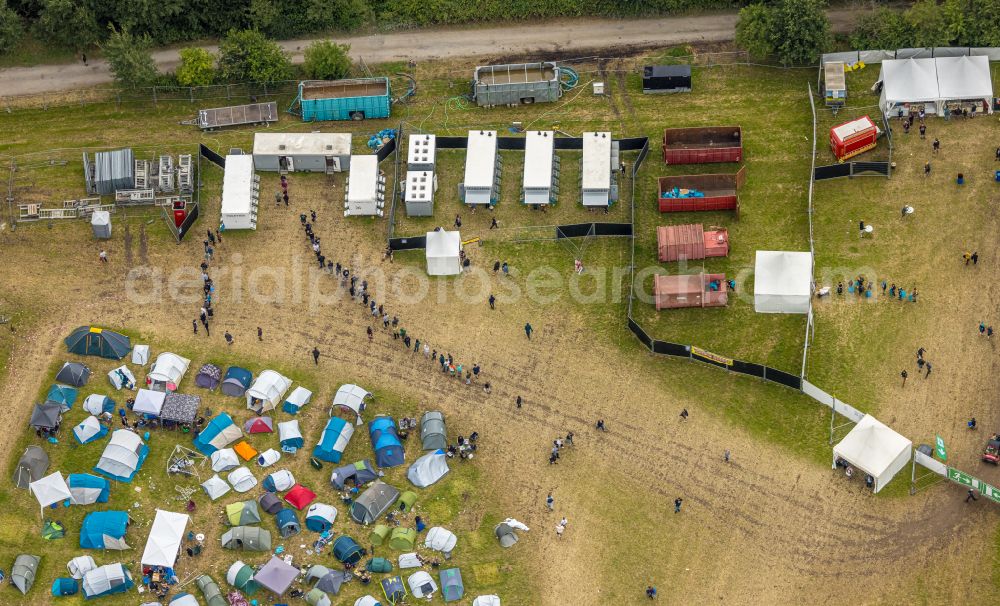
381 302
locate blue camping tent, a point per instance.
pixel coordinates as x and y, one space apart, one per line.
347 550
89 430
104 530
63 395
64 586
336 435
385 442
236 381
93 341
219 433
97 404
85 488
107 580
288 523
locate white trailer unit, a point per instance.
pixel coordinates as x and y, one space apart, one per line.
302 152
365 188
482 169
240 194
419 193
420 152
597 171
541 168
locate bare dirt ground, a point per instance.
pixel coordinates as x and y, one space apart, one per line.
420 45
767 528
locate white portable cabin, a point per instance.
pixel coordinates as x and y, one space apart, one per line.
365 188
482 169
597 170
419 193
541 168
240 194
420 152
302 152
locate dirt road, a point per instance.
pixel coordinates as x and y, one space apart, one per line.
420 45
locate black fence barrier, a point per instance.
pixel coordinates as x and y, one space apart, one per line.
451 142
640 333
782 377
579 230
634 144
386 150
748 368
192 216
514 143
408 243
212 156
832 171
880 168
671 349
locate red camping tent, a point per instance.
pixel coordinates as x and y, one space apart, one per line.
259 425
300 497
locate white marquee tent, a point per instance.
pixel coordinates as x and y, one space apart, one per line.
443 253
965 78
50 489
149 402
782 282
934 82
874 449
164 539
269 387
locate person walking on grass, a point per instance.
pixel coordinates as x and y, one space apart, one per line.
975 258
103 256
920 353
518 401
229 338
260 333
371 334
505 269
277 199
684 414
967 256
569 438
936 146
928 370
493 302
494 224
970 496
496 266
982 329
651 592
528 330
315 353
989 332
560 529
549 502
927 169
194 326
677 504
904 374
487 388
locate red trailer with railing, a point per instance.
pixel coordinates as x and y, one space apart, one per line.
700 290
686 193
703 145
691 242
852 138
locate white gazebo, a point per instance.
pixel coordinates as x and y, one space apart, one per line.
444 253
50 489
782 282
875 449
164 541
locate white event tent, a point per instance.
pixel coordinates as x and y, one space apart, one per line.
164 539
875 449
782 282
443 253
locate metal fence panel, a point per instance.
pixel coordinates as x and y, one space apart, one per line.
914 53
817 394
849 411
992 53
930 463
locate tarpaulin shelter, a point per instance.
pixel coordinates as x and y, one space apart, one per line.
379 534
240 576
486 600
351 400
46 416
242 513
164 540
334 440
327 581
236 381
242 479
289 435
215 487
30 467
691 242
224 459
433 435
258 425
299 397
121 378
406 500
140 355
320 517
250 538
347 550
266 391
63 395
452 588
104 530
87 489
697 290
245 450
385 442
220 432
288 523
210 591
50 489
402 539
80 565
373 502
875 449
276 576
209 376
358 473
317 597
148 402
268 457
421 584
440 539
22 573
123 456
428 469
444 253
89 430
394 590
270 503
505 534
379 565
93 341
167 371
180 407
97 404
782 282
73 373
300 497
107 580
64 586
278 481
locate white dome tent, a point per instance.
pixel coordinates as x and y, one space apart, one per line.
80 565
242 479
443 250
428 469
422 585
268 457
486 600
225 460
266 392
167 371
874 449
215 487
441 539
782 282
351 399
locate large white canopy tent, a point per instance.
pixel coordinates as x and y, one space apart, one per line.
965 78
782 282
266 392
934 82
50 489
149 402
164 539
874 449
443 253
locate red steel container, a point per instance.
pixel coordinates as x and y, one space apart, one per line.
720 192
703 145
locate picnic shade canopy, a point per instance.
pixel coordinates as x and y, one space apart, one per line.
209 376
351 399
359 473
73 373
22 574
265 393
87 489
334 440
88 430
250 538
279 481
428 469
220 432
432 431
93 341
97 404
224 460
46 416
104 530
299 397
373 502
167 371
148 402
106 580
50 489
276 576
236 381
215 487
164 541
875 449
30 467
180 407
782 282
123 456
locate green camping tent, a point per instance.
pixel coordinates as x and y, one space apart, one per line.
93 341
380 532
379 565
403 539
406 500
53 530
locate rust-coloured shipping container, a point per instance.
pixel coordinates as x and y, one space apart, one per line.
703 145
719 192
699 290
690 242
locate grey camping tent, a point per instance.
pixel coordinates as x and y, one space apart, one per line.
73 373
373 502
432 431
46 416
22 574
249 538
32 466
505 534
328 581
210 590
359 473
270 503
